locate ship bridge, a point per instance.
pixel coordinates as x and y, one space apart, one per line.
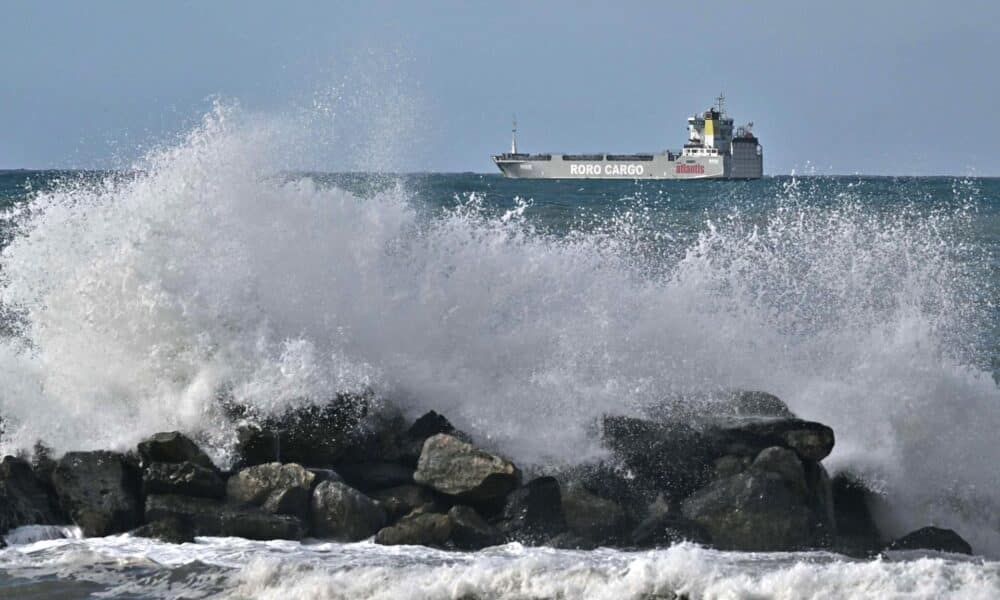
709 133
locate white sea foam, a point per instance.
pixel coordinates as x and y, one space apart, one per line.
140 297
232 568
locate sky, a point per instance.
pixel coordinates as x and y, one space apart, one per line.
889 87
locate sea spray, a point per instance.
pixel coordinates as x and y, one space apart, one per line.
136 299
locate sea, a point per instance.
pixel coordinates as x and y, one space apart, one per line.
131 299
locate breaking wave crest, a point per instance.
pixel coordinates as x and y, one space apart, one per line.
135 300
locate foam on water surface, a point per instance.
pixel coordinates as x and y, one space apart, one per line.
221 567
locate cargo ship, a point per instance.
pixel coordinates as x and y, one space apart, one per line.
714 150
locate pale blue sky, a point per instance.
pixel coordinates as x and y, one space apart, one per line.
873 87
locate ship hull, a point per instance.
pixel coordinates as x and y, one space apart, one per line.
657 166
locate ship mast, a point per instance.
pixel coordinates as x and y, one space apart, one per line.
721 103
513 136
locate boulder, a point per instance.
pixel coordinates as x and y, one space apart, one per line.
534 513
675 458
315 435
277 488
857 533
24 497
746 403
342 513
785 463
469 531
210 517
411 443
457 468
99 491
680 457
185 478
171 530
666 529
591 518
932 538
172 447
372 476
423 529
402 500
757 510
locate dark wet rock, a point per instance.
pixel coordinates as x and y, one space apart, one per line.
568 540
276 488
184 478
857 533
172 447
671 457
593 519
209 517
666 529
315 435
321 475
745 403
424 529
932 538
756 510
402 500
785 463
411 442
25 499
459 469
171 530
614 483
729 465
342 513
534 512
372 476
679 458
819 498
99 491
469 531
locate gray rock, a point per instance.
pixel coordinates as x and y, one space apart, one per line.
342 513
857 533
172 447
277 488
99 491
745 403
534 513
371 476
729 465
185 478
591 518
402 500
24 497
785 463
469 531
423 529
171 530
666 529
932 538
210 517
457 468
318 435
753 511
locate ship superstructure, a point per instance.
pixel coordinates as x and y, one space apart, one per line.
715 149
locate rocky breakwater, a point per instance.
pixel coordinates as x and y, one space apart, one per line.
747 475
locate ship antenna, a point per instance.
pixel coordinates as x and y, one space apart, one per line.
721 101
513 136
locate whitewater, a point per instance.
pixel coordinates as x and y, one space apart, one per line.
136 301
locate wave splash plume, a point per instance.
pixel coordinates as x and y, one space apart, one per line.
137 300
